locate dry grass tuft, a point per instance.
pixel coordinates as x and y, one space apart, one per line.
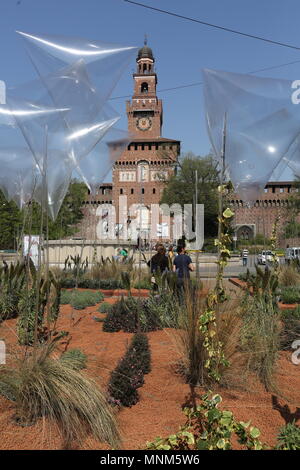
49 387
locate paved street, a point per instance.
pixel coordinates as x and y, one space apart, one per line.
233 269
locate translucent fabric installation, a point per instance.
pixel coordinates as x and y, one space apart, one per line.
261 122
94 168
104 62
24 147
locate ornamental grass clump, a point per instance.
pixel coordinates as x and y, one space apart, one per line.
290 327
289 276
44 386
261 327
197 339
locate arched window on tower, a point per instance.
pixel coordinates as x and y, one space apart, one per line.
144 87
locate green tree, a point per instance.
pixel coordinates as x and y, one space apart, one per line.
12 219
180 188
292 226
10 223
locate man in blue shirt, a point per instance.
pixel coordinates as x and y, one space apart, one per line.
182 266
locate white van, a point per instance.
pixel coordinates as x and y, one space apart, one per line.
292 253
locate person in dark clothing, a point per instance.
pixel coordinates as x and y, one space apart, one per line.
182 266
158 263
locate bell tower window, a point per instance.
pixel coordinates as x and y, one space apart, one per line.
144 87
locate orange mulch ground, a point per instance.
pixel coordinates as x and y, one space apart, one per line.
158 413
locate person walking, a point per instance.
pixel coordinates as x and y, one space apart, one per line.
158 263
245 254
182 265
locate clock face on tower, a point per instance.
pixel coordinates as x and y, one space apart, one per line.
143 123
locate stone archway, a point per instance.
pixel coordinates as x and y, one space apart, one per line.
245 232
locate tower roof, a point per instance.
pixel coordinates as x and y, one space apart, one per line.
145 52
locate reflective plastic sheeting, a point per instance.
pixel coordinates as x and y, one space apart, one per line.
104 62
261 124
18 174
95 167
28 159
50 125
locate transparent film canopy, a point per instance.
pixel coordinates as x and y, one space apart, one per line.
260 122
50 126
94 168
104 62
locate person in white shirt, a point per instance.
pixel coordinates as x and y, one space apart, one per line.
245 257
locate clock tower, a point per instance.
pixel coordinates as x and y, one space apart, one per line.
144 111
150 160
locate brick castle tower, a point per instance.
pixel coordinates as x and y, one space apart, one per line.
150 159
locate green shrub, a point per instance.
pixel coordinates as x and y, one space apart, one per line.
291 327
87 283
290 295
75 358
128 376
289 437
81 299
140 345
291 314
98 319
104 307
128 313
143 284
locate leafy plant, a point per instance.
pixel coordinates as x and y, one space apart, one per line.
76 358
75 265
12 279
209 428
289 437
32 304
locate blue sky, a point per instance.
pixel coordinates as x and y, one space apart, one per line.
181 48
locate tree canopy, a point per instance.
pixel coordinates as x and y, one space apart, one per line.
13 221
180 188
